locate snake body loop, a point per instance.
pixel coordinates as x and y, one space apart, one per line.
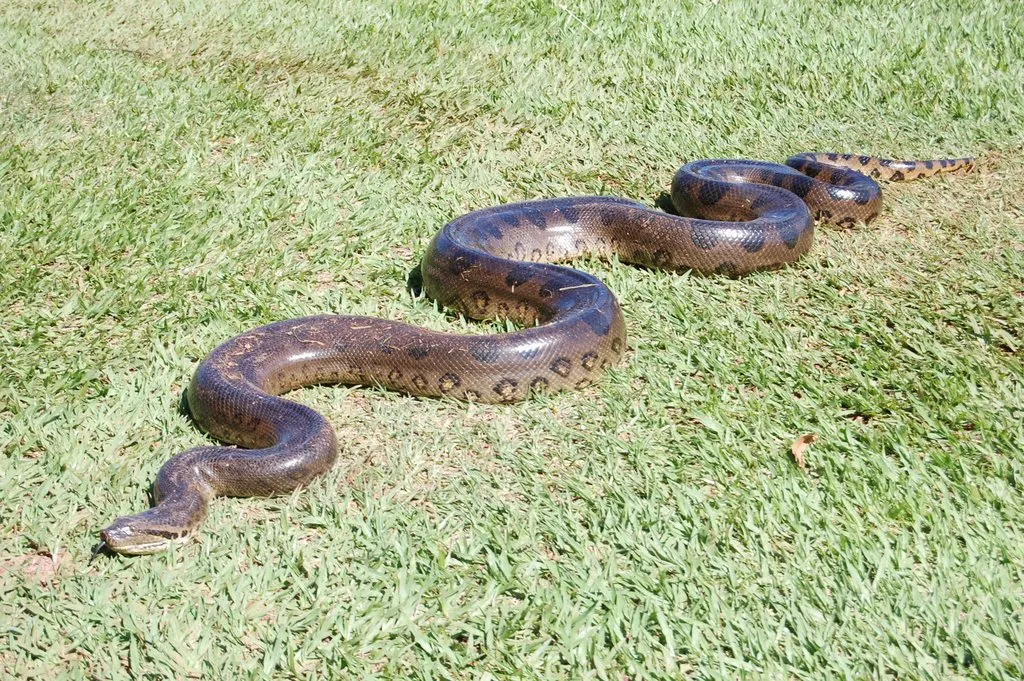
736 216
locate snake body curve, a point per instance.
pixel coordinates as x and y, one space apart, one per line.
736 216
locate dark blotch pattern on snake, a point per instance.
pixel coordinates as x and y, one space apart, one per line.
736 216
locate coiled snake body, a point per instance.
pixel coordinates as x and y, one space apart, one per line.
495 262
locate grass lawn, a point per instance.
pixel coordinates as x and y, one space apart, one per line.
172 174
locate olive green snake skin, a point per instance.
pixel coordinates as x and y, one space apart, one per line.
497 262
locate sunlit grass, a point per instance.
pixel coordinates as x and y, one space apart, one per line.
174 173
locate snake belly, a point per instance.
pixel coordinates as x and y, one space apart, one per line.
735 217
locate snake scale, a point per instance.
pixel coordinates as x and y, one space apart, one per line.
735 216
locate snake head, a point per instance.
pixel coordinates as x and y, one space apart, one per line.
140 534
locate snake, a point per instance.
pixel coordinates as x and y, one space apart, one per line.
730 217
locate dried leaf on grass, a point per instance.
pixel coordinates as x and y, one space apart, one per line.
800 446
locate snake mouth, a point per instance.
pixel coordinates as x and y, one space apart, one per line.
140 549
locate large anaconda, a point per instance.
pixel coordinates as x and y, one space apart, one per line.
495 262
